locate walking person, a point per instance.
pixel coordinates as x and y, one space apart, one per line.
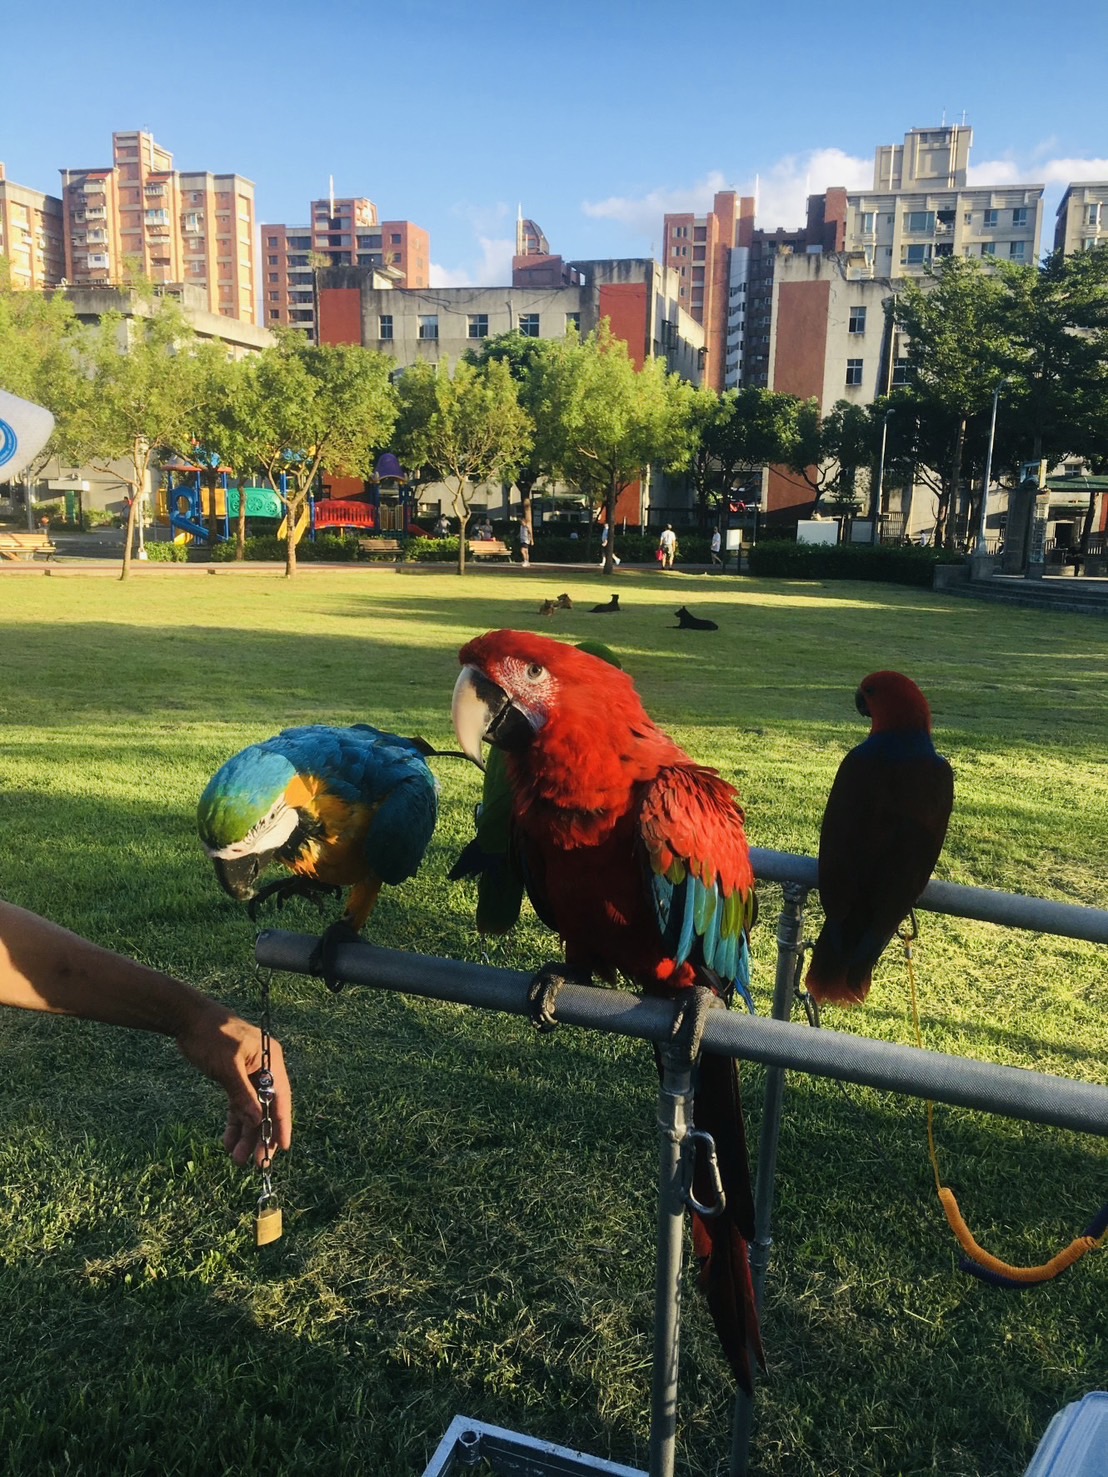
667 546
604 546
525 543
715 547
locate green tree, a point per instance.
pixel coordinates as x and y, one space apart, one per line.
142 383
219 438
828 451
523 356
609 421
961 345
39 360
303 409
466 427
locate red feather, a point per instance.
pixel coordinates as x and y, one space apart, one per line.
604 801
882 832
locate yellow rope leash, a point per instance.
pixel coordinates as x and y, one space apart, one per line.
976 1259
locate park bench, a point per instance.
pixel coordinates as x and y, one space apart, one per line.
487 548
25 545
390 546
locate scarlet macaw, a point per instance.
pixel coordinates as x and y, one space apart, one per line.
337 807
489 856
638 858
882 832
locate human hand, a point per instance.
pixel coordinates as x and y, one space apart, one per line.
229 1051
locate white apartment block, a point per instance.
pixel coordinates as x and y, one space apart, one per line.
1082 219
921 209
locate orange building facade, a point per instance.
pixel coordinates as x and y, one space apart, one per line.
173 226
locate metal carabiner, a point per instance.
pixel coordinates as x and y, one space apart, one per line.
688 1152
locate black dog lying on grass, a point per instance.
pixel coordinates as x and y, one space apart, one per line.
612 605
686 621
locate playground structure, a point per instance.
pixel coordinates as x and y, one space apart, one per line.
184 504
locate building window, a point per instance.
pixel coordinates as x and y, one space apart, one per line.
857 323
1017 249
275 312
428 325
900 373
853 372
920 222
1019 215
1092 215
915 256
698 253
299 243
529 325
395 238
477 325
384 326
273 277
271 240
1089 243
271 261
988 248
573 320
275 297
866 220
700 233
991 218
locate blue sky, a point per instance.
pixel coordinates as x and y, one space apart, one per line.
596 119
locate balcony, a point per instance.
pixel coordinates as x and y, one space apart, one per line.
153 190
97 213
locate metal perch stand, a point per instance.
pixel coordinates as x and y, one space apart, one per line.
778 1044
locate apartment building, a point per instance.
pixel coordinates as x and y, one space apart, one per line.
339 233
700 250
140 214
1081 223
921 209
31 235
640 299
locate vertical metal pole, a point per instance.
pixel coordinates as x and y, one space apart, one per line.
674 1112
790 925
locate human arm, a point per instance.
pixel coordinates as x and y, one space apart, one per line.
47 968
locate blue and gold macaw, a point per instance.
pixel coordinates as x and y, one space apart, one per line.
337 807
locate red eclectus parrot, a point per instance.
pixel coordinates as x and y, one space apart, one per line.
882 832
338 807
637 857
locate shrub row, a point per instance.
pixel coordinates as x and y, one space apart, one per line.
633 546
894 564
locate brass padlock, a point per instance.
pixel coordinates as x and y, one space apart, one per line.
267 1225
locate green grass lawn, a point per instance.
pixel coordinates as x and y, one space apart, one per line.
469 1208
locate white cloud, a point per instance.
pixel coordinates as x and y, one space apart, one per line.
1037 171
642 215
493 269
784 188
782 192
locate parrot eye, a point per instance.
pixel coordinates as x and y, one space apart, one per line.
535 673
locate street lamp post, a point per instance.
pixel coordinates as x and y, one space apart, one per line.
874 536
982 548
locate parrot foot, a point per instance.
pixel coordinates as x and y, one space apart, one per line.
543 992
689 1016
323 962
288 887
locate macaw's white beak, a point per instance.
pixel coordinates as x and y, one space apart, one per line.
474 708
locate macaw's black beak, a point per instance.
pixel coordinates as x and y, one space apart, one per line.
861 704
237 875
483 712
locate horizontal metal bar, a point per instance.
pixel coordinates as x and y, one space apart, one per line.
1009 909
1011 1091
